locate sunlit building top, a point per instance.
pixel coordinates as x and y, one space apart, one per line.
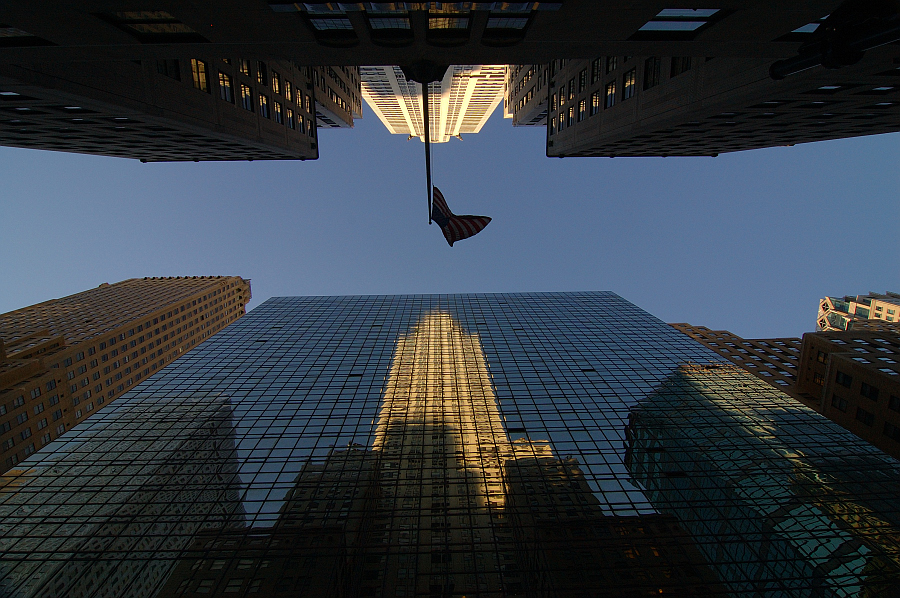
841 313
460 103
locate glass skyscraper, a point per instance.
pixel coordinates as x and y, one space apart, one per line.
547 444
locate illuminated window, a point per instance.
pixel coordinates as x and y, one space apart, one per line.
595 103
199 75
226 91
279 112
246 97
628 84
610 95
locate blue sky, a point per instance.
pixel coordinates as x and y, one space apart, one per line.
745 242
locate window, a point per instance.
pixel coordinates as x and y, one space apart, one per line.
226 91
582 80
35 393
866 417
610 95
244 67
595 71
680 64
651 72
276 82
169 68
264 106
279 112
57 414
246 97
21 418
628 84
290 119
38 408
553 102
821 357
571 89
678 23
199 74
42 424
582 109
843 379
262 73
288 91
868 391
18 401
611 63
839 403
894 403
890 430
595 103
26 433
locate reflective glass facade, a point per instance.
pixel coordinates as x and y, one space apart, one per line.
558 444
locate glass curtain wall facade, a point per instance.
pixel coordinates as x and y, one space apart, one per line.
552 444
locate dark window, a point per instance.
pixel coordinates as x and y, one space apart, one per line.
595 103
680 64
818 379
264 105
595 71
892 431
839 403
582 80
894 403
572 89
582 109
244 66
866 417
843 379
262 73
651 72
821 357
868 391
611 62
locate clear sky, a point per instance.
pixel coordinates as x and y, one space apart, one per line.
745 242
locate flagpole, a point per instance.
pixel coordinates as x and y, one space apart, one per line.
427 147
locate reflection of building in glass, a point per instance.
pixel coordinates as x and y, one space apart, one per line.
114 500
314 548
773 360
460 103
63 359
447 446
569 547
775 497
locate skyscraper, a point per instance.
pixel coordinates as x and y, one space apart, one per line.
62 359
547 444
460 103
693 105
848 312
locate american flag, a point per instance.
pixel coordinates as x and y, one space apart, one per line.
455 228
